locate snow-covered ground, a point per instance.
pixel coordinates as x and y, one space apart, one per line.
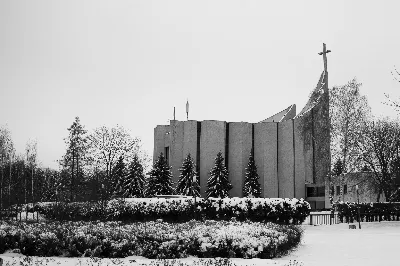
375 244
17 259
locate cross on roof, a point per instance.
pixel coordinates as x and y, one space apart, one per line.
323 53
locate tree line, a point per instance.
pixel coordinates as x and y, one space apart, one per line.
88 170
218 184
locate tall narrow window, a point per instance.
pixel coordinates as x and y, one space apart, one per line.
167 154
345 189
337 190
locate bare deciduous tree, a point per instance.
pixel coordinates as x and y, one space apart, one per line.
107 145
31 155
379 149
349 111
6 151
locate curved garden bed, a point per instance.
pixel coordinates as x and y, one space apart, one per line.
152 240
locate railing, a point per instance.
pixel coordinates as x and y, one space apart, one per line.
322 218
326 218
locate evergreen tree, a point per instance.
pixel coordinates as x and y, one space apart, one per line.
75 158
134 182
218 183
185 184
118 177
338 168
160 179
251 187
366 168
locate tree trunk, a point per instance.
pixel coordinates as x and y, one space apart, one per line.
2 181
77 175
25 187
379 194
388 193
72 175
33 198
9 184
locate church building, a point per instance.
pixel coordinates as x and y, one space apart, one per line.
291 151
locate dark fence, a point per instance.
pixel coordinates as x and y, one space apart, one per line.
20 213
330 219
371 217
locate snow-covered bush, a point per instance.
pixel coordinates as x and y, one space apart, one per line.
150 239
183 209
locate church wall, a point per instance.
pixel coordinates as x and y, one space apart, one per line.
240 142
161 140
265 155
307 147
300 171
190 139
322 142
176 148
291 113
212 140
286 159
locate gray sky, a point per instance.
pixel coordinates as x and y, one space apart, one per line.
131 62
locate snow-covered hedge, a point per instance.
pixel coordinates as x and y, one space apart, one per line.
182 209
152 240
378 211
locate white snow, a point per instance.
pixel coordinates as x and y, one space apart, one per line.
375 244
18 259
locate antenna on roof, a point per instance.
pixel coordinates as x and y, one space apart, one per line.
174 112
187 109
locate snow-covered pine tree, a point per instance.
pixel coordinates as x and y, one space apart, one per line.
118 177
185 184
338 168
218 183
133 185
160 179
251 186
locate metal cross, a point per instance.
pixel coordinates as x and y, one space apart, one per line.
323 53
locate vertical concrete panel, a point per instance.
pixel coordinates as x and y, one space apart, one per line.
176 148
240 140
305 132
265 155
322 140
285 159
161 140
300 168
212 140
190 139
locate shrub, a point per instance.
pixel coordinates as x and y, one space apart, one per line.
347 211
155 240
183 209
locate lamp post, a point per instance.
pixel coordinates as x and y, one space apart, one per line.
358 208
102 198
194 183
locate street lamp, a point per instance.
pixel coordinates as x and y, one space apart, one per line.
358 208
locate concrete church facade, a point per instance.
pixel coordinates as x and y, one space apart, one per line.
292 152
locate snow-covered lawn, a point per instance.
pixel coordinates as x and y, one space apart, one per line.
376 244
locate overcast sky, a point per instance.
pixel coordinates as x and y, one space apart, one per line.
130 62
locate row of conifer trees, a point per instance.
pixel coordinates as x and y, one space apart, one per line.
159 181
